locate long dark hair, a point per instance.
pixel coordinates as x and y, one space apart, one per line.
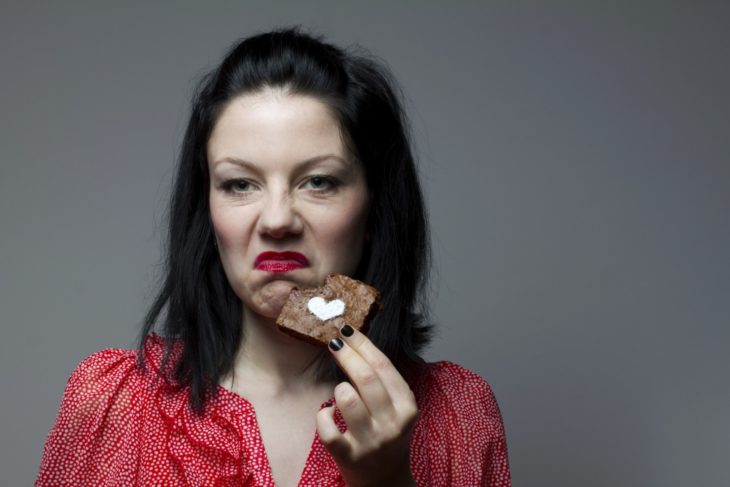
201 311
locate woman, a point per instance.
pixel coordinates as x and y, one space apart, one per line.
295 164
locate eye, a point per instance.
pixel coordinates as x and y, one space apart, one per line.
237 186
321 184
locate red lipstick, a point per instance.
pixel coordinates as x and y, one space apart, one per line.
280 261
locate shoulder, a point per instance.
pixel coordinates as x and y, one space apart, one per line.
459 437
450 377
111 371
96 379
103 365
118 378
102 410
103 382
448 385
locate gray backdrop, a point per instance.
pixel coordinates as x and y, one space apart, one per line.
575 160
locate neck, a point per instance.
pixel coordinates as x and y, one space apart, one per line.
272 361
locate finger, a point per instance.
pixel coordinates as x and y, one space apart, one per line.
329 434
353 410
392 380
363 377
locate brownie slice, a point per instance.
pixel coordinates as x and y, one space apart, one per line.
316 314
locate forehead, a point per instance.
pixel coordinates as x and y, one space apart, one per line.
274 124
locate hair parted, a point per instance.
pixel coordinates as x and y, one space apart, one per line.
201 311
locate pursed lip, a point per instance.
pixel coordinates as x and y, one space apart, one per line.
280 261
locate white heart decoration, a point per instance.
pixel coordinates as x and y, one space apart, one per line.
324 310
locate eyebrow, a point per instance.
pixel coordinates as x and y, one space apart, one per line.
305 163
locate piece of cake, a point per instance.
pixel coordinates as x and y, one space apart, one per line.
317 314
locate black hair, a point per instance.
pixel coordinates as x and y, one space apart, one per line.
201 310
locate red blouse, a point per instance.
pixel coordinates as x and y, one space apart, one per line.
119 426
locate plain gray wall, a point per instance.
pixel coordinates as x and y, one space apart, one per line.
575 158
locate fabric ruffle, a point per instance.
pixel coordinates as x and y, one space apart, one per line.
207 449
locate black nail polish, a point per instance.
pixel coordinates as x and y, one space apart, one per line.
336 344
347 331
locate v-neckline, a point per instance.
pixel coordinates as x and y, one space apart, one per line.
261 469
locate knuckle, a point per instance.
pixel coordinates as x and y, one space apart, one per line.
349 402
382 363
400 420
387 437
327 438
366 378
389 427
346 397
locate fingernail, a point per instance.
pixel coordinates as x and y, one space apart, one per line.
347 331
336 344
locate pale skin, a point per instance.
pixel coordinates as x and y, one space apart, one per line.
283 180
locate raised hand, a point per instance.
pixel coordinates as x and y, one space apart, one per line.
380 411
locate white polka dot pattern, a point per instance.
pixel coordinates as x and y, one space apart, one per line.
119 426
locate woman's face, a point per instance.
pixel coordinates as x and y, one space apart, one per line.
287 200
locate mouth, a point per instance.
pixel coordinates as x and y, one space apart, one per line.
280 261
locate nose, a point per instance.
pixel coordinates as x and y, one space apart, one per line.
279 218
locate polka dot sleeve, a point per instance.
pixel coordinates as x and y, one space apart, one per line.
459 438
96 416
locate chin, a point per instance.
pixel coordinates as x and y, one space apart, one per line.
271 298
270 312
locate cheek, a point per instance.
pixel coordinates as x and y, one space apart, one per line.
228 226
345 228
